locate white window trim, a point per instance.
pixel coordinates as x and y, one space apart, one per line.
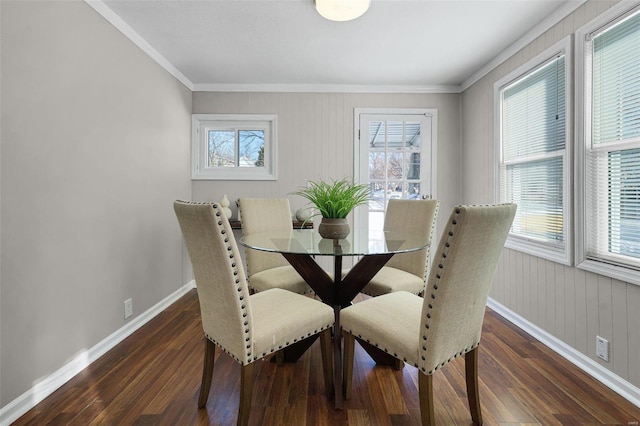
583 118
561 253
361 165
199 148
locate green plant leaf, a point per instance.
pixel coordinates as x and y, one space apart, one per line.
335 199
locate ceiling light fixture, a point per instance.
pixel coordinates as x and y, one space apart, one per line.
341 10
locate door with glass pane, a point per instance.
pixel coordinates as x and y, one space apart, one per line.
395 157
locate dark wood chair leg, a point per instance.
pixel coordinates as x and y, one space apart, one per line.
347 368
425 385
246 389
471 375
280 358
207 372
398 364
327 362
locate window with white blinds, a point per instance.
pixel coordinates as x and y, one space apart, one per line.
533 154
611 198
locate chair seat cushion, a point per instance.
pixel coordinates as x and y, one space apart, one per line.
281 318
389 280
388 321
280 277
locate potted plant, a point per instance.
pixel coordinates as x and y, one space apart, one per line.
334 200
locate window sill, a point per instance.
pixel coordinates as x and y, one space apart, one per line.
621 273
234 174
537 249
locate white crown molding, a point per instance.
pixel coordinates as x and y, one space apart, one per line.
551 20
132 35
47 385
614 382
325 88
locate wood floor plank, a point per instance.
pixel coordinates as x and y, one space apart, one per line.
375 404
532 400
524 374
153 378
359 418
448 391
393 399
263 387
603 410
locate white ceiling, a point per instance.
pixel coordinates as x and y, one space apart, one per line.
416 45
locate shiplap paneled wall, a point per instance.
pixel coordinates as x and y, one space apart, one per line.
575 306
315 139
569 303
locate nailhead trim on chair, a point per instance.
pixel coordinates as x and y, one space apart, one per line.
443 258
395 355
434 291
271 350
450 233
243 308
241 298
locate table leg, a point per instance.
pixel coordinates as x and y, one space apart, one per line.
329 291
337 293
294 351
314 275
358 276
337 359
379 356
337 333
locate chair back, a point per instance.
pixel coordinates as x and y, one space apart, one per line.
416 217
264 215
459 282
219 275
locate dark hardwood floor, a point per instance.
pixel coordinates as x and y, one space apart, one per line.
153 378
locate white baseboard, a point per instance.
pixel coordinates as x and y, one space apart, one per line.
48 385
616 383
45 387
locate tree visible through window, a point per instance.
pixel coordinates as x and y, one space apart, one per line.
234 147
242 148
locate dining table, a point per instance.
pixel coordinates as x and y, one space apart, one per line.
369 249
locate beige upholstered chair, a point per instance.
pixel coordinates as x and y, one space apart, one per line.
247 327
429 332
406 271
269 270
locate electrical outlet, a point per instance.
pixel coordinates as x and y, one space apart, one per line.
128 308
602 348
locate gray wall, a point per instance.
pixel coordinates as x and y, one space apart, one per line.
315 140
95 147
569 303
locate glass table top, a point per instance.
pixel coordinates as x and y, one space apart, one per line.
308 241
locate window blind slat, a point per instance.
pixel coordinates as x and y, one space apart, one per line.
616 83
613 174
534 112
533 125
